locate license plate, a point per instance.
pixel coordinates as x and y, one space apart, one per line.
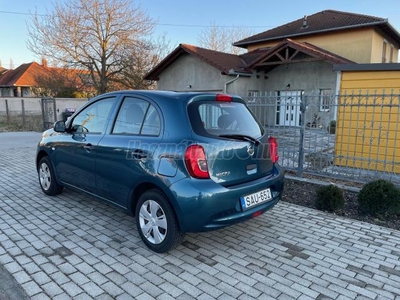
255 199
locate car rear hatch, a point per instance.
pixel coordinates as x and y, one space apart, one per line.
235 145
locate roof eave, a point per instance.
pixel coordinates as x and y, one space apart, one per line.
167 61
367 67
384 22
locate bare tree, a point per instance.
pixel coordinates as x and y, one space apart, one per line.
139 63
94 36
221 38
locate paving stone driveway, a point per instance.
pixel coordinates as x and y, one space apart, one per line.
72 246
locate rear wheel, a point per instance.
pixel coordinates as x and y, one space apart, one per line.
47 179
156 222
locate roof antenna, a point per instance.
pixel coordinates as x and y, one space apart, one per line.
305 25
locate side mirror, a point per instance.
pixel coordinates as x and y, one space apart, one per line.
59 126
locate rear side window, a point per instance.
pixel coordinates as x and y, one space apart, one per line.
216 118
137 116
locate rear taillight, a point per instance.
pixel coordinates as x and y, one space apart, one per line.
273 149
196 162
224 97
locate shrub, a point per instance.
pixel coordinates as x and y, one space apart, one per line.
332 127
379 197
329 198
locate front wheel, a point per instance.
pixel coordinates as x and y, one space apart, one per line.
47 179
156 222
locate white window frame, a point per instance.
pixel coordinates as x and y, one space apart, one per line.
384 50
391 52
325 99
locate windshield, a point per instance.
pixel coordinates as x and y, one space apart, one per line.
223 119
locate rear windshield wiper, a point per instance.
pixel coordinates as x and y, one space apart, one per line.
241 137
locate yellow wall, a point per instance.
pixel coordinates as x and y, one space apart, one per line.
358 45
377 48
369 81
367 130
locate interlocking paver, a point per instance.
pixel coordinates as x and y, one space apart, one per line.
31 288
72 289
41 296
190 289
151 289
73 246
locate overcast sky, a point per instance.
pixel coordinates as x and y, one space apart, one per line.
182 21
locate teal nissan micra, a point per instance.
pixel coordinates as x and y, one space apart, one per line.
178 162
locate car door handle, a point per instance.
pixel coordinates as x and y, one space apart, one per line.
88 147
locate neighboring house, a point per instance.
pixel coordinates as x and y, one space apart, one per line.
20 81
285 63
33 79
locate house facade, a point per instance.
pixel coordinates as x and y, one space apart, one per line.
18 82
36 80
284 65
360 38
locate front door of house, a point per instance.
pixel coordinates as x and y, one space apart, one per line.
289 108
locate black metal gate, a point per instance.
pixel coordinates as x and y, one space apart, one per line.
48 112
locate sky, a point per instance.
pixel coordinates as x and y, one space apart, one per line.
183 20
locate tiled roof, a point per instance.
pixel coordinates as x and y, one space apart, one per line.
27 75
253 55
24 75
324 21
224 62
220 60
244 63
2 70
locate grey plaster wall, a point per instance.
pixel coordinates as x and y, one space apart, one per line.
189 73
309 77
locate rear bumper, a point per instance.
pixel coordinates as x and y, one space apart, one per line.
205 205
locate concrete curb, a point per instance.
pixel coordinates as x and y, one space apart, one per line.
323 183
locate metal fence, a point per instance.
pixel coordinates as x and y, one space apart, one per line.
20 114
352 136
35 113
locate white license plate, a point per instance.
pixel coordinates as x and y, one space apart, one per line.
256 198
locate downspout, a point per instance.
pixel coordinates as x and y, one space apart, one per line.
338 82
229 82
238 74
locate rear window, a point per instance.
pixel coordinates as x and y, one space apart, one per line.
223 118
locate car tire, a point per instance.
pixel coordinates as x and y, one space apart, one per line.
156 222
47 178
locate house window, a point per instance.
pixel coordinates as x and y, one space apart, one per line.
384 51
324 99
252 96
391 53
